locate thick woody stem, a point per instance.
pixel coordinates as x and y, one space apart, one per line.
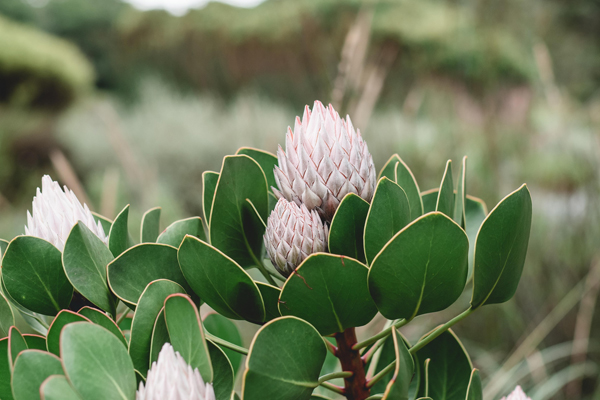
355 385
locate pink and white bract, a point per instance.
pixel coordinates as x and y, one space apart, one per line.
55 212
325 158
517 394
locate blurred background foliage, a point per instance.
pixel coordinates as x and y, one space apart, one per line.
127 106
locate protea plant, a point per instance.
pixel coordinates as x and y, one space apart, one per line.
517 394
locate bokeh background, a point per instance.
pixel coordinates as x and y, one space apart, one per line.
131 105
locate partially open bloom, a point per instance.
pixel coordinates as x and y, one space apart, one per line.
517 394
293 233
171 378
55 212
325 158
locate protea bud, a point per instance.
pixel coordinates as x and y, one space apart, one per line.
171 378
55 212
293 233
325 158
517 394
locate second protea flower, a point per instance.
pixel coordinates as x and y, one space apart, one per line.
171 378
55 212
293 233
517 394
325 158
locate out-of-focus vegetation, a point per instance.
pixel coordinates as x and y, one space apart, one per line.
514 85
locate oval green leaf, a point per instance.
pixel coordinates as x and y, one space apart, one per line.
475 389
220 281
84 259
102 319
175 233
7 318
397 387
33 275
429 198
57 387
475 213
16 344
270 295
96 363
149 306
223 328
445 200
31 370
233 228
105 222
35 342
5 371
118 237
281 366
150 227
209 184
406 180
501 248
329 292
348 226
63 318
160 336
187 335
461 195
388 214
132 271
422 269
223 372
3 246
389 169
266 160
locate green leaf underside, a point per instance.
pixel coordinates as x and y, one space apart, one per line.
63 318
223 372
35 342
16 344
422 269
102 319
347 228
388 214
461 194
149 306
445 200
406 180
160 336
397 387
475 389
280 365
175 233
449 370
132 271
209 184
233 228
220 281
501 248
7 318
150 225
33 275
57 387
266 160
96 363
389 169
84 259
475 213
118 237
223 328
31 370
329 292
187 335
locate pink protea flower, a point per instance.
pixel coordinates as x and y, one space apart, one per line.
325 158
517 394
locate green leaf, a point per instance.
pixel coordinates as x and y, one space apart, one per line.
57 387
389 213
429 198
449 370
329 292
118 237
223 328
223 372
102 319
280 365
461 195
96 363
160 336
347 228
150 225
63 318
389 169
501 249
233 228
397 388
422 269
186 333
105 222
132 271
7 318
445 200
84 259
209 185
3 246
35 342
270 295
31 370
149 306
475 390
406 180
16 344
266 160
386 355
5 371
220 281
33 275
475 213
175 233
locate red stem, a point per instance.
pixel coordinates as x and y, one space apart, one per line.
356 385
